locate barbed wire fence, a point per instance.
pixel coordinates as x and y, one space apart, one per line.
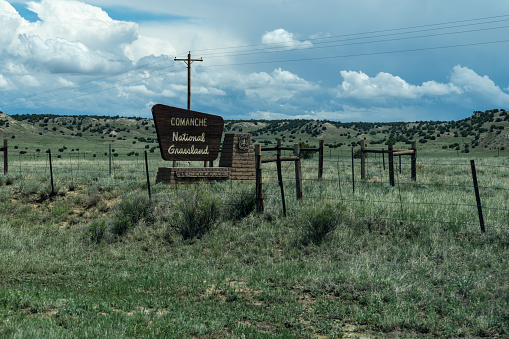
444 192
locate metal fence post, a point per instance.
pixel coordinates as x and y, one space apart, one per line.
477 196
6 161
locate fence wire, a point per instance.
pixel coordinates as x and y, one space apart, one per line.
443 192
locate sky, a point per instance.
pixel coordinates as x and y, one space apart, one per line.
363 60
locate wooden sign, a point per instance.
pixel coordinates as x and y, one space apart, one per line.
187 135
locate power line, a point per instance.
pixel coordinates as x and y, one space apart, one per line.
285 49
326 42
264 45
361 54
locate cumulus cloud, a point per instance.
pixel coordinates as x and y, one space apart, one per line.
280 84
285 39
70 37
61 56
77 21
28 80
479 87
465 87
11 21
144 46
384 86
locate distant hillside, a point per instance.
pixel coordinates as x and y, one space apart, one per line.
483 131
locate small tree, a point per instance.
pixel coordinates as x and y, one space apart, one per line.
305 154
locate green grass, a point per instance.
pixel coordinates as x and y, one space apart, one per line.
100 260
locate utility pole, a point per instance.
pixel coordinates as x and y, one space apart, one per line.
188 61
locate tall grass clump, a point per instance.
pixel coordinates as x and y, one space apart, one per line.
196 213
129 212
316 223
240 204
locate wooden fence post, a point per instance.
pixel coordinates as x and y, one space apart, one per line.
353 173
51 173
391 164
320 160
259 188
414 161
477 196
6 161
280 176
363 159
298 172
110 157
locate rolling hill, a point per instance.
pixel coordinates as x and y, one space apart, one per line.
482 133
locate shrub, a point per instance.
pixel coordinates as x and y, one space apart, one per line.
121 224
197 213
128 212
96 231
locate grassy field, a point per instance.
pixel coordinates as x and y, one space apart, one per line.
98 259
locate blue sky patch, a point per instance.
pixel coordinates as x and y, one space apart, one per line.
25 13
128 14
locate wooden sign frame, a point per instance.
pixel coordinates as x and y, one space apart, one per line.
186 135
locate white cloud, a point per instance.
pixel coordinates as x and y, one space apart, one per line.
167 93
61 56
4 84
269 115
78 21
208 91
70 37
28 80
346 114
284 39
465 86
65 83
279 84
145 46
384 86
479 87
12 67
10 22
136 90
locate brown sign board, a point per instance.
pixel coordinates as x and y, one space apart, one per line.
187 135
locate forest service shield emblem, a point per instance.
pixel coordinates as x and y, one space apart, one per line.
244 141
